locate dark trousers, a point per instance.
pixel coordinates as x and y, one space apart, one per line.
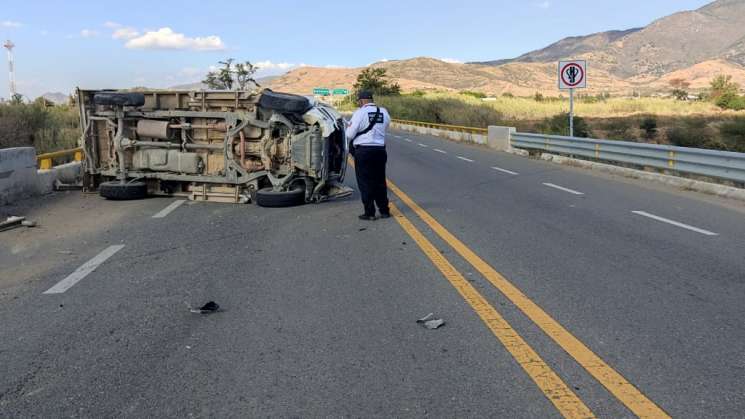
370 169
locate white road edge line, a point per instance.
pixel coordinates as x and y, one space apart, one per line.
169 209
675 223
440 151
84 270
561 188
423 145
509 172
465 159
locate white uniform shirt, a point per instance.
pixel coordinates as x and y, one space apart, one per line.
361 120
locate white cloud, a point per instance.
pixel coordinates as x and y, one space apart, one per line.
451 60
125 33
87 33
10 24
166 38
268 65
119 31
544 4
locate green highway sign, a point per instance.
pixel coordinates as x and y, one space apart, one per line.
320 91
341 92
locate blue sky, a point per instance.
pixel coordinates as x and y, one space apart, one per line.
160 43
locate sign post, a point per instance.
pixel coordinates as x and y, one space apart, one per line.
572 75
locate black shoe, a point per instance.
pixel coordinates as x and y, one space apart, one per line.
384 215
365 217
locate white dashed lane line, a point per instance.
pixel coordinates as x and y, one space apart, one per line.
509 172
675 223
561 188
465 159
84 270
169 209
423 145
408 140
441 151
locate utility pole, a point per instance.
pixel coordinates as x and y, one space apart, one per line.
11 66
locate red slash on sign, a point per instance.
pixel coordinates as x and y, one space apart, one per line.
572 75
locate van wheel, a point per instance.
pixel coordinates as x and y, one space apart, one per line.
118 191
270 198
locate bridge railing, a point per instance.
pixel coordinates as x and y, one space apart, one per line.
711 163
46 161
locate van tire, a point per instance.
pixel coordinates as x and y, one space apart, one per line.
270 198
117 191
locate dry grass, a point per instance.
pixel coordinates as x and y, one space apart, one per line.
522 108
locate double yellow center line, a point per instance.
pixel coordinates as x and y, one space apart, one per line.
568 403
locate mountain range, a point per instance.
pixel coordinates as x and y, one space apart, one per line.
691 45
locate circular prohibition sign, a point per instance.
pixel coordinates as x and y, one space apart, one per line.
578 79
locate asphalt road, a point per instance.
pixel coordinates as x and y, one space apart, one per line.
319 309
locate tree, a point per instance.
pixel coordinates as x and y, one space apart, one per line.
679 83
725 93
375 80
244 74
680 94
722 85
238 75
16 99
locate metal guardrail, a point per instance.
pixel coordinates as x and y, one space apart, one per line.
718 164
46 160
696 161
457 128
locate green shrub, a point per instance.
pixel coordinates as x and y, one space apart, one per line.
559 125
46 128
648 126
695 132
477 95
618 129
507 94
733 134
731 101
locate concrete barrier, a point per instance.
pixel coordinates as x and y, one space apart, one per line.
464 137
497 138
17 173
20 179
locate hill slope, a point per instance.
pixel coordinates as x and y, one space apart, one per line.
693 45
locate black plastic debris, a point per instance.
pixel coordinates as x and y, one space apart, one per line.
430 322
208 308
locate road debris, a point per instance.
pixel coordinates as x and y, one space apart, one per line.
15 222
208 308
430 322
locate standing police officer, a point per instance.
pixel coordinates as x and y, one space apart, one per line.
366 136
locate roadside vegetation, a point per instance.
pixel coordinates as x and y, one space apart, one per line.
714 120
40 124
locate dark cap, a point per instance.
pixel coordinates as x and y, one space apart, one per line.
364 94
